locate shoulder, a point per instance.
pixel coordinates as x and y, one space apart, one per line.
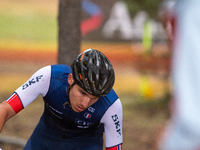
110 98
60 70
106 102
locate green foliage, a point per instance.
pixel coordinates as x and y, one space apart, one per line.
150 6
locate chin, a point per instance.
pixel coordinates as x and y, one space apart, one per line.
76 110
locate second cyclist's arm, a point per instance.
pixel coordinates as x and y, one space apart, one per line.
112 121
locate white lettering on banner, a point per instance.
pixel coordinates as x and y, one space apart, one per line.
127 28
119 20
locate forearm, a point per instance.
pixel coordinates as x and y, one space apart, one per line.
3 119
6 112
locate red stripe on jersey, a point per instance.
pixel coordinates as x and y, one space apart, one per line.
15 102
118 147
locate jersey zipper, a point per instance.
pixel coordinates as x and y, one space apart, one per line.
64 135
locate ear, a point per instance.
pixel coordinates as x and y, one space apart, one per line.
70 79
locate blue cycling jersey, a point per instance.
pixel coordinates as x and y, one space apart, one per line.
59 122
59 112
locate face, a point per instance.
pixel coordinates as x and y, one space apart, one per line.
79 98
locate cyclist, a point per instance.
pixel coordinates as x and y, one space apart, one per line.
183 130
80 105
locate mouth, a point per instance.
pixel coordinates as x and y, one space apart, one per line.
80 108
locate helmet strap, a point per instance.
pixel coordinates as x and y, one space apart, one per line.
69 87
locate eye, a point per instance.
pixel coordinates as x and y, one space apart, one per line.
83 93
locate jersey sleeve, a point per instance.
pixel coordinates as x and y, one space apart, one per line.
37 85
112 121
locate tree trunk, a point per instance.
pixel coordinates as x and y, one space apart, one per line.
69 30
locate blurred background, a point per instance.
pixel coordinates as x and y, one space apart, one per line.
128 32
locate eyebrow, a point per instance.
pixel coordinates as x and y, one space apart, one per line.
83 91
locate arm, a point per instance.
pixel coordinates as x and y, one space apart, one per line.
6 112
38 84
24 95
112 120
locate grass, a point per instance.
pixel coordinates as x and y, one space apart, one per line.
28 22
143 122
28 27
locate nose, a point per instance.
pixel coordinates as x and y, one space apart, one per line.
86 102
